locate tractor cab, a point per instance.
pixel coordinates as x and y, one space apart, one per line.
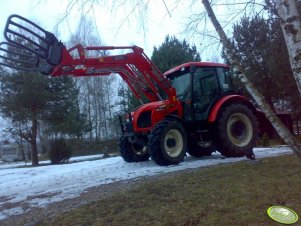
199 85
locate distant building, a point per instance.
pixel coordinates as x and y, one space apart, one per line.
16 152
13 152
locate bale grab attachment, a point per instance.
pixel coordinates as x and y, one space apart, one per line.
31 48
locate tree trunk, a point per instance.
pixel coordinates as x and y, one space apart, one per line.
283 132
88 104
103 107
21 144
33 141
108 88
97 117
291 28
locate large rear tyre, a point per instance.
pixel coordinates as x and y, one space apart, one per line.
167 143
236 131
132 152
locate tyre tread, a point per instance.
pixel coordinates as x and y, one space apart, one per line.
222 142
127 153
154 144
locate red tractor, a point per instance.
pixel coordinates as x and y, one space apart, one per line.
192 108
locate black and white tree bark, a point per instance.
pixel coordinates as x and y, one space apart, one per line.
291 27
283 132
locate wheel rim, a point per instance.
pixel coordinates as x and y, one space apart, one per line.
173 143
139 150
239 129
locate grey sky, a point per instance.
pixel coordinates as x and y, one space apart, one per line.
157 23
46 13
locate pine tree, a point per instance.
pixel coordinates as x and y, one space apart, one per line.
28 98
173 52
265 58
63 115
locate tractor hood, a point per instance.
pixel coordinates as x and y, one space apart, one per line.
147 115
148 107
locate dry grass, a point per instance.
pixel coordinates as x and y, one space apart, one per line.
235 194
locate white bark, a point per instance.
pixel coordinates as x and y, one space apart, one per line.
283 132
291 28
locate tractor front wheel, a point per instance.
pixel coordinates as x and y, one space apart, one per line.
167 143
132 152
236 131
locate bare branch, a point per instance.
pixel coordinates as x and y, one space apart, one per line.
166 8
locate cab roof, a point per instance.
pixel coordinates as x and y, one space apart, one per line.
197 64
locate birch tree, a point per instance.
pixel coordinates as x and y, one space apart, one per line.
291 27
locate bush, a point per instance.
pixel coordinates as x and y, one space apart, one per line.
96 147
59 151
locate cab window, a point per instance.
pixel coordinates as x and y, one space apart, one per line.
182 85
223 75
205 82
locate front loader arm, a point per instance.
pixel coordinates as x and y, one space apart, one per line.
31 48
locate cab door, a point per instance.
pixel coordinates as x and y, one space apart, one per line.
182 82
205 91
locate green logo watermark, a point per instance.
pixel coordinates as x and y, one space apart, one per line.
282 214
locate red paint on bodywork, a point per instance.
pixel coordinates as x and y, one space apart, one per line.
167 108
197 64
214 112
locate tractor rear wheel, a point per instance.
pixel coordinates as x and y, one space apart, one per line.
132 152
236 131
167 143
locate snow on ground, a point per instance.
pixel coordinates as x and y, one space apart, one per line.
39 186
7 165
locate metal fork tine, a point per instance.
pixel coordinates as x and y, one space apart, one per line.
15 53
18 67
28 35
18 61
28 30
11 58
41 48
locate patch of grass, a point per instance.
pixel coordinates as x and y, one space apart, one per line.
234 194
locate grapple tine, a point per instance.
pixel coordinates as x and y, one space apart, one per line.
28 35
18 58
